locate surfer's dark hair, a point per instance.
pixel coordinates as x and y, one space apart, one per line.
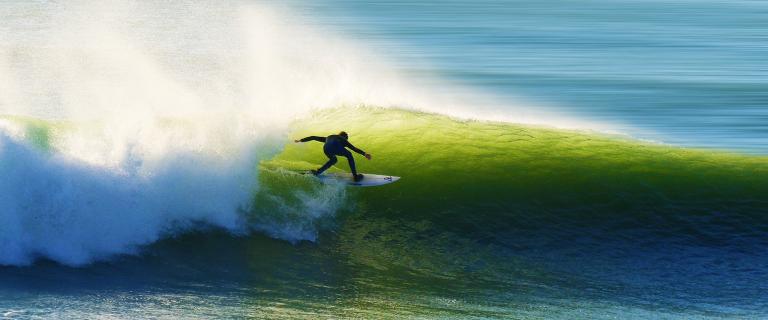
344 134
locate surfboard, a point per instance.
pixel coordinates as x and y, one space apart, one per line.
369 179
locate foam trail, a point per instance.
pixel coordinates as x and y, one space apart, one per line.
299 215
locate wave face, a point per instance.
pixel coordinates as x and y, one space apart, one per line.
548 192
546 176
521 208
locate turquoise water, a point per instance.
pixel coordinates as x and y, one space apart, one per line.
558 160
688 73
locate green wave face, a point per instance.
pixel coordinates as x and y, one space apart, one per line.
513 213
40 133
516 187
449 165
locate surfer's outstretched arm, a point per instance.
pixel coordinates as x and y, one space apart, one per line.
310 138
355 149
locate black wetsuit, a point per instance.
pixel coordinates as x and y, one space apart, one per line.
335 145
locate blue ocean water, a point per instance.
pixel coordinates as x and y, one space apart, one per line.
691 73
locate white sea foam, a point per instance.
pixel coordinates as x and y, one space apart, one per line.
63 209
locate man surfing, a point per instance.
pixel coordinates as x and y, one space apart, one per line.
335 145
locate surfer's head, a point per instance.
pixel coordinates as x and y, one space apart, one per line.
344 134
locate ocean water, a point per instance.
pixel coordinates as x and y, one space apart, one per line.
564 160
688 73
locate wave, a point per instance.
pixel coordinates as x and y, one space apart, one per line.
142 125
126 121
472 177
477 176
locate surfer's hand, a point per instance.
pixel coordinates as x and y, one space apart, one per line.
296 141
368 156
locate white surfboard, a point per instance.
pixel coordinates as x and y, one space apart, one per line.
369 179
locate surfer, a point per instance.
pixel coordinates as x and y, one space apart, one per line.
335 145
